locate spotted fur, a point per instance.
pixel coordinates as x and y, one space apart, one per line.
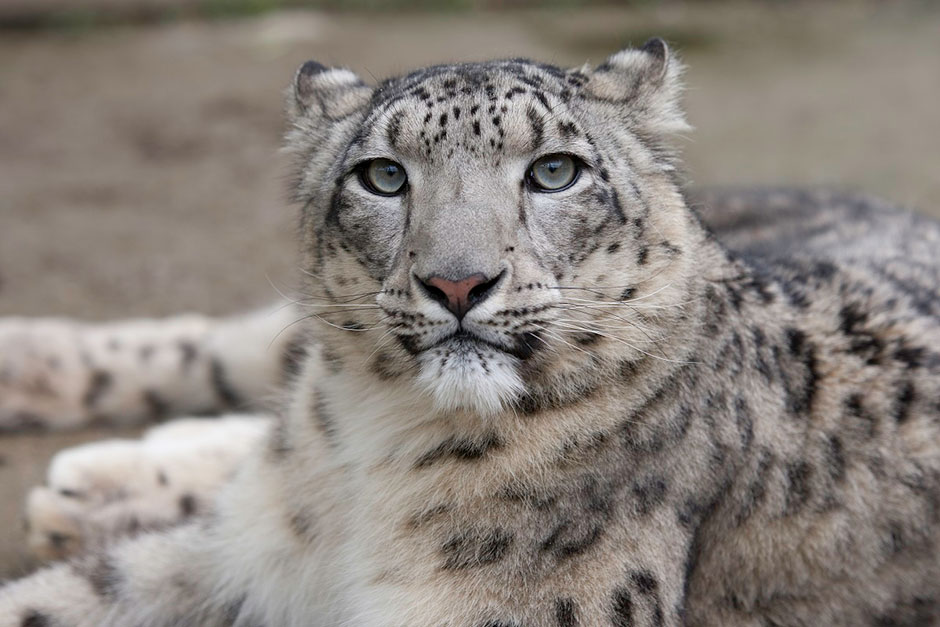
638 425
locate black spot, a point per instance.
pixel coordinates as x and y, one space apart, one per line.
903 402
567 129
855 409
745 422
32 618
910 356
622 609
302 524
381 366
613 247
757 490
475 549
649 493
394 128
648 586
460 449
587 339
157 406
100 382
187 505
566 614
476 128
232 610
572 538
292 358
188 353
103 576
851 317
801 387
409 343
799 475
221 385
324 419
538 127
645 582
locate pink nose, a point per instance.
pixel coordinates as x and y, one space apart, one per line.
458 296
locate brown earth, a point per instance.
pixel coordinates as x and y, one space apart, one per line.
139 171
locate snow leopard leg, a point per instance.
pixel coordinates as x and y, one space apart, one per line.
61 374
102 491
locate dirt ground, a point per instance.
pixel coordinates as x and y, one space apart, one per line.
139 172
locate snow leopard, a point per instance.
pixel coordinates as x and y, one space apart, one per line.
532 380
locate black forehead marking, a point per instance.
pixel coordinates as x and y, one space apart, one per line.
469 78
538 127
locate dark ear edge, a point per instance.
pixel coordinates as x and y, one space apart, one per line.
321 91
646 83
657 48
303 86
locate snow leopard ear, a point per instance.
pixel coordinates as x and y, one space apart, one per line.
331 93
648 81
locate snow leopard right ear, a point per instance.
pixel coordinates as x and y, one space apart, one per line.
322 92
648 81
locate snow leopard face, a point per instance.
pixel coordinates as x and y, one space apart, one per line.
489 232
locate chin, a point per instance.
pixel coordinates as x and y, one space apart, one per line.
468 375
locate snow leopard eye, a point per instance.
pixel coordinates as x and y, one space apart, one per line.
383 177
553 173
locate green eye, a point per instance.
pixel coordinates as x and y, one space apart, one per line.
383 177
553 173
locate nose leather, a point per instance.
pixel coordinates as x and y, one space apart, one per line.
456 295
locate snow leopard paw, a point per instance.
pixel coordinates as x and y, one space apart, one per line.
102 491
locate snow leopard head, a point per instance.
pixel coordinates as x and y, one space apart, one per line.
493 234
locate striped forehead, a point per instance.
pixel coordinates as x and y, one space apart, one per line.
482 109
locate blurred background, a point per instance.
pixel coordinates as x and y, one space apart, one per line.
139 166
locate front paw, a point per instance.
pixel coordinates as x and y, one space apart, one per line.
102 491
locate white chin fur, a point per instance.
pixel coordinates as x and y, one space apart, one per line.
455 378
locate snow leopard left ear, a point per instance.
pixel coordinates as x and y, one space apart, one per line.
648 81
321 92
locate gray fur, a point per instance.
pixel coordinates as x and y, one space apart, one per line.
701 435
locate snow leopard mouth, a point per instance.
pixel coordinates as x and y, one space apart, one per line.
521 346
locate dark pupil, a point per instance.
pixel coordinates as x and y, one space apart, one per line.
553 166
390 171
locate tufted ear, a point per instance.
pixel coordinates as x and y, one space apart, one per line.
648 82
322 92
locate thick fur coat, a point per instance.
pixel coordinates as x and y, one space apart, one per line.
633 424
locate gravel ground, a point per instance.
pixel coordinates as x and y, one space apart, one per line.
139 172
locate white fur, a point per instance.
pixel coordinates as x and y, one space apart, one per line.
460 380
